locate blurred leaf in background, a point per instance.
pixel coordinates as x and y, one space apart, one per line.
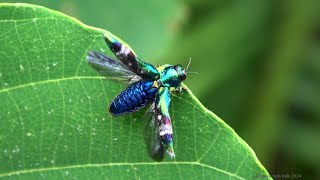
258 64
148 26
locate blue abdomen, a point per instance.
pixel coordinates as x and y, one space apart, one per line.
133 98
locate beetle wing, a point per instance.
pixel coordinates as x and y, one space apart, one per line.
155 147
162 105
128 57
158 131
111 68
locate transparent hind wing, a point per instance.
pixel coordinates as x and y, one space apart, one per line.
112 69
151 130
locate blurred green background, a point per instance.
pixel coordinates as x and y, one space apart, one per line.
258 64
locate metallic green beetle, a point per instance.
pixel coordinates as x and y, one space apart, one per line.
148 85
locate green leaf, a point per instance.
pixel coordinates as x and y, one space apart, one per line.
54 118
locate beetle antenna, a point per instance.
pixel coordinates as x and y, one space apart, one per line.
188 67
192 73
188 64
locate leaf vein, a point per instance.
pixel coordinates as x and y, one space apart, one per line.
50 81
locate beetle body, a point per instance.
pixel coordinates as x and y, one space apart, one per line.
148 85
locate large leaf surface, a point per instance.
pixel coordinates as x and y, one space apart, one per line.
54 118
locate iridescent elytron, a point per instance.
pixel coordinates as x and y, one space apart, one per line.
148 85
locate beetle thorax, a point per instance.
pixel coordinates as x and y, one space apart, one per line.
170 76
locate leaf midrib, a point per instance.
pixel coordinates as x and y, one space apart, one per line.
26 171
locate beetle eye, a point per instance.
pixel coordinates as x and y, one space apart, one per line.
176 67
181 72
183 75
